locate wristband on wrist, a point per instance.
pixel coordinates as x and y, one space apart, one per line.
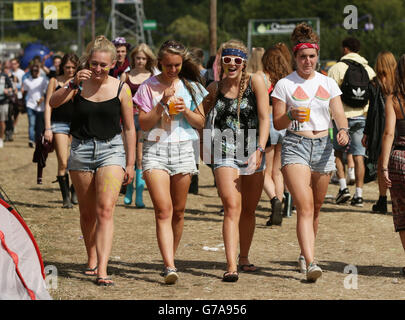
165 107
259 147
345 130
48 129
384 169
289 115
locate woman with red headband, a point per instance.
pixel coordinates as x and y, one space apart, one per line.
302 103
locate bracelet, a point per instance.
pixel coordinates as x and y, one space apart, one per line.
289 115
165 107
48 129
345 130
259 147
384 169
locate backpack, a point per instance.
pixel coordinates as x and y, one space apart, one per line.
355 85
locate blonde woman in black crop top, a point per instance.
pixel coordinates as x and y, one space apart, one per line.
98 162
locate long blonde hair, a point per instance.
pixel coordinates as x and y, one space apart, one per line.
236 44
151 58
255 60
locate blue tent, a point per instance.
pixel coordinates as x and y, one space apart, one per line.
32 50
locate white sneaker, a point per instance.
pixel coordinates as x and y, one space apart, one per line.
313 272
302 265
171 276
1 143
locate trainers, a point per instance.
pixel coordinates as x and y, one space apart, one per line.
313 272
381 205
343 196
302 265
357 201
170 275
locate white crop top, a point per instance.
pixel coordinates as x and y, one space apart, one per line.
315 93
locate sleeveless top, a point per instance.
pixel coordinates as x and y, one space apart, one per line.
226 121
134 88
63 113
400 128
100 120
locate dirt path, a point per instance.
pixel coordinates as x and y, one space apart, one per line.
348 237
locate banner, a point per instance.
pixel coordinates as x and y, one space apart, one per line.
26 11
63 9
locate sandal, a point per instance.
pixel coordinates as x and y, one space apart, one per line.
90 271
230 276
106 282
247 267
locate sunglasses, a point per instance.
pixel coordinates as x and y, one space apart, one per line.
228 60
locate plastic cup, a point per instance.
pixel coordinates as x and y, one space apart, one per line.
307 113
172 106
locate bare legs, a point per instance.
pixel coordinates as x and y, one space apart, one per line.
97 194
239 200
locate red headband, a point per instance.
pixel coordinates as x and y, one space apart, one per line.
305 45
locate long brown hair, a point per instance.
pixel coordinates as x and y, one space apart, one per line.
275 65
189 70
385 69
285 51
303 33
399 88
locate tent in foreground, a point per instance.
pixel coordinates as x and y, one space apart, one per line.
22 275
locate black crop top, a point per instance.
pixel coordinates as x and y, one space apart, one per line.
100 120
64 112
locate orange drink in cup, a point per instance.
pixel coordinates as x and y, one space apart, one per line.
172 106
307 112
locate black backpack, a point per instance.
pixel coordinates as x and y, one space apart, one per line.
355 85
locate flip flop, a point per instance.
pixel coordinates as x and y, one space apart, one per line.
106 282
93 271
247 267
230 276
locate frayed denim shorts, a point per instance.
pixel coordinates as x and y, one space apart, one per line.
276 136
241 165
60 127
316 153
172 157
89 155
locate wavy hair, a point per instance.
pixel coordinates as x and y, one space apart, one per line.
68 57
275 65
399 87
145 49
303 33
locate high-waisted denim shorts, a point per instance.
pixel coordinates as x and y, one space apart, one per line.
60 127
238 164
316 153
89 155
172 157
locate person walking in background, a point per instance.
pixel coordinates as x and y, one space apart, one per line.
240 102
20 103
34 90
143 62
122 64
275 67
254 63
393 150
6 89
166 102
302 103
355 97
382 86
57 127
98 162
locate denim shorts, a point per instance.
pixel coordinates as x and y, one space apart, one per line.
238 164
4 112
61 127
89 155
316 153
173 157
276 136
356 128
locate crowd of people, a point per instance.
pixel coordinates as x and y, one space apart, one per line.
121 118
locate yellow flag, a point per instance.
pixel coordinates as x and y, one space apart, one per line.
63 9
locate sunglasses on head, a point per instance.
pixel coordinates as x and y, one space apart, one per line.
229 60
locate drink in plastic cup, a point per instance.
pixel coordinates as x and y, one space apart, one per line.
172 106
307 113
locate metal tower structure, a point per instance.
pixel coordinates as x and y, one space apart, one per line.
122 24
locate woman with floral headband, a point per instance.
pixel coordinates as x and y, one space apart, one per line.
166 103
302 103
